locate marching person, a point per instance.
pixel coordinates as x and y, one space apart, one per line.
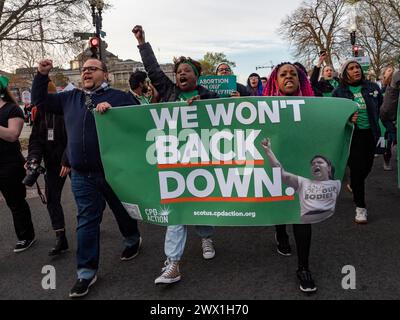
140 88
368 96
187 72
288 80
12 170
325 84
89 186
48 141
223 69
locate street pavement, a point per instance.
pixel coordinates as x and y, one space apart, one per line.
246 266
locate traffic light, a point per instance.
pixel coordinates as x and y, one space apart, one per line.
94 45
353 38
356 51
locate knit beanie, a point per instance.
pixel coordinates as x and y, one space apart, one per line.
220 64
344 66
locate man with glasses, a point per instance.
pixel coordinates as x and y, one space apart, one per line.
90 189
223 69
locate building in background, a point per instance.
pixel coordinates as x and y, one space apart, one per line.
119 72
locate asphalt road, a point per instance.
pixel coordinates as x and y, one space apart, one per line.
246 265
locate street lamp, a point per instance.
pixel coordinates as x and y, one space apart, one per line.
353 30
97 10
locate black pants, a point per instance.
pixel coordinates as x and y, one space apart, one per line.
302 236
360 162
14 193
390 136
54 187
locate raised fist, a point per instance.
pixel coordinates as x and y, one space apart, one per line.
139 34
45 66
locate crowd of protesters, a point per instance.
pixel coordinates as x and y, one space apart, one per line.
70 114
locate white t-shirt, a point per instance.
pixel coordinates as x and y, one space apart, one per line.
317 199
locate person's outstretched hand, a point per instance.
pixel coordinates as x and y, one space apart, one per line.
139 34
193 99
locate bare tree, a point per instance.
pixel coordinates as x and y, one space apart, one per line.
48 21
38 27
316 25
373 36
388 13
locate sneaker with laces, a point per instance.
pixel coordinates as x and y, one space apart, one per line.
283 247
170 273
361 216
131 252
208 248
81 287
307 284
23 245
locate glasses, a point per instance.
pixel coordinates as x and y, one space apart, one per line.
90 69
224 70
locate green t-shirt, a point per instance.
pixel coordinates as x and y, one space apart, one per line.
362 120
334 84
184 96
143 100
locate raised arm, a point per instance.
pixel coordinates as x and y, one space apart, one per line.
287 178
40 97
158 78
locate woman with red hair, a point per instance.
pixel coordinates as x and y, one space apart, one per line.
289 80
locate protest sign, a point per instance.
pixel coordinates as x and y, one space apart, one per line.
204 164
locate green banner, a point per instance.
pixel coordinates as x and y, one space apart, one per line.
222 85
205 164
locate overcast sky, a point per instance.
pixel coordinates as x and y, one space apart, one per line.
245 31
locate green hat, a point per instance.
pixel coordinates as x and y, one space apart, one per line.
3 82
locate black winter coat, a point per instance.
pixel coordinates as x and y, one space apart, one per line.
373 98
52 152
166 88
322 86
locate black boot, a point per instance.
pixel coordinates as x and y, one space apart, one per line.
61 244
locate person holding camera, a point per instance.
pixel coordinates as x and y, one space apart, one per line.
48 141
323 85
88 182
12 167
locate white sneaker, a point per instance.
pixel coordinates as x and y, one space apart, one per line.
361 216
208 248
170 273
387 166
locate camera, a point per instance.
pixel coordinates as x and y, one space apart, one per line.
34 170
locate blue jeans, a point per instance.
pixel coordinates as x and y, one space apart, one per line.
175 239
91 191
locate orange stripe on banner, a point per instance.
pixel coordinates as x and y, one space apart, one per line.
211 163
270 199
